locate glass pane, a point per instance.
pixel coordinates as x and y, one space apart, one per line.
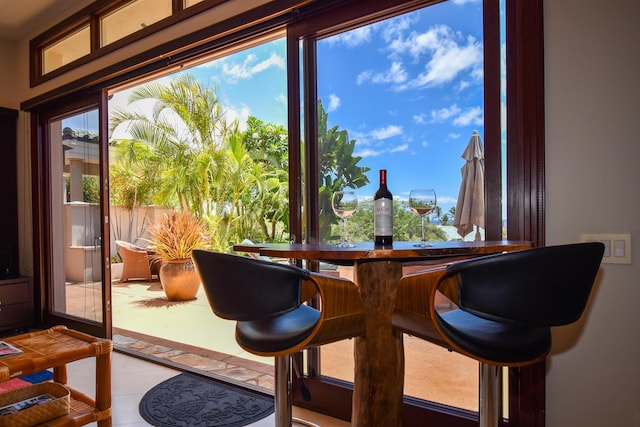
220 152
131 18
188 3
410 103
67 50
75 215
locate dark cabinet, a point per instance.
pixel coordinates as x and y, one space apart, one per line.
16 306
9 266
16 293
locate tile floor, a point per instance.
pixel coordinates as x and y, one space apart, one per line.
132 378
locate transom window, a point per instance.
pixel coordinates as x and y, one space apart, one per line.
101 28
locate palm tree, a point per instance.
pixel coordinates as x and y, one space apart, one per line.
198 159
438 213
187 131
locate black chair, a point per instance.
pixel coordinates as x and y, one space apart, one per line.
267 301
505 305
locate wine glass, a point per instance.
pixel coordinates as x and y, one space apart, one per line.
344 204
422 202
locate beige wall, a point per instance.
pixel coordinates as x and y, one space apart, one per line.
592 116
592 151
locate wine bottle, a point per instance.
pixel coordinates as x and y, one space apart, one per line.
383 213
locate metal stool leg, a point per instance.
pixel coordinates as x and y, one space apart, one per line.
490 395
282 397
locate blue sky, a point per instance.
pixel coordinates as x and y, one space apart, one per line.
408 90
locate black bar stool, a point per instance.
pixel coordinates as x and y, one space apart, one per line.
267 301
505 305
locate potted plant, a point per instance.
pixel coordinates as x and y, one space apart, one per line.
173 239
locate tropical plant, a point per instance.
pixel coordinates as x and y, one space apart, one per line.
338 168
184 155
268 145
406 225
196 157
176 235
187 132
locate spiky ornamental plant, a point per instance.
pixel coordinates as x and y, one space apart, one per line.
176 235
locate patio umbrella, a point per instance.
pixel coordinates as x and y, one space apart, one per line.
470 206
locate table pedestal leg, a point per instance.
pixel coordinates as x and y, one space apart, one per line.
379 354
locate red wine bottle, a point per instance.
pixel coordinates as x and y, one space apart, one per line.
383 213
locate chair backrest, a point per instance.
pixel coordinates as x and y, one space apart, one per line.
242 288
130 251
547 286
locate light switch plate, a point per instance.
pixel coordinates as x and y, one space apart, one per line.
617 247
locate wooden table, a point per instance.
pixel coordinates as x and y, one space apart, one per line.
54 348
379 354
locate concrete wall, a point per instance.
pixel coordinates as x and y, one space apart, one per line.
592 150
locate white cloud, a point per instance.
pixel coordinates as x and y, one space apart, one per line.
449 53
443 200
282 98
250 67
444 114
419 118
386 132
472 115
365 148
396 74
353 38
395 28
458 117
448 61
364 77
368 152
399 148
239 113
334 103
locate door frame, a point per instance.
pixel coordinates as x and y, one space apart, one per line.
41 117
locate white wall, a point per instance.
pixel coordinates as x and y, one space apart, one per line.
592 95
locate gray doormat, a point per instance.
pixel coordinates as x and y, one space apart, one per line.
196 401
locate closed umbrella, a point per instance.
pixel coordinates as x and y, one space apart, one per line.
470 205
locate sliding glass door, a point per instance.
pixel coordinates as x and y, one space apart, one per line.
405 93
71 157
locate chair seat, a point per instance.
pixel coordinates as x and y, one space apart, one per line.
496 342
277 334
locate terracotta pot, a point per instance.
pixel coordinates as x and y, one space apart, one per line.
179 279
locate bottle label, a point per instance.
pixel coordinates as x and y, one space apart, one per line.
383 217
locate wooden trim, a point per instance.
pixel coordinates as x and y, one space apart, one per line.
191 46
525 121
42 220
107 314
492 120
295 144
312 160
92 14
525 175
